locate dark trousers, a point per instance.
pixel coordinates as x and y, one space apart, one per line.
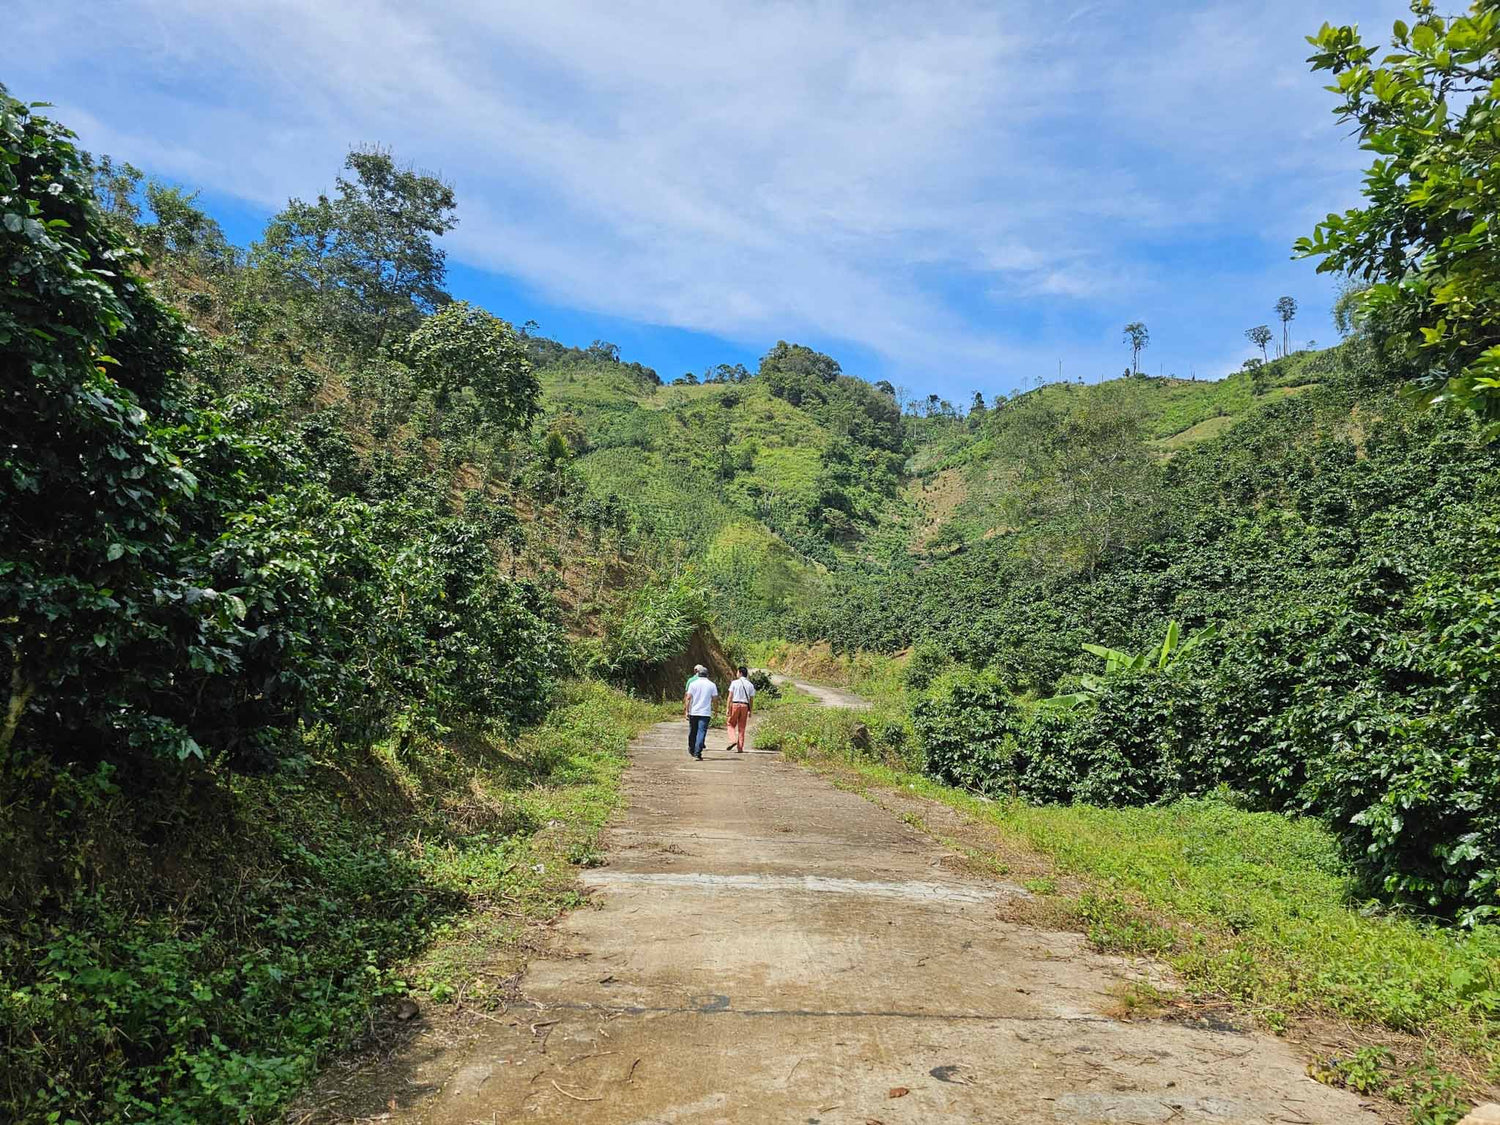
697 734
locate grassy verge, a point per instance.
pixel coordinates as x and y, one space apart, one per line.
561 783
202 968
1251 909
558 785
869 674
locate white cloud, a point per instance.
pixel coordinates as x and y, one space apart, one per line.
925 181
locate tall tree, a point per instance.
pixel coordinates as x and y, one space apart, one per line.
1137 336
1286 310
117 189
368 254
1260 336
462 348
1426 238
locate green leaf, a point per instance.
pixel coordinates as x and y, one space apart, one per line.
1168 645
114 551
1109 654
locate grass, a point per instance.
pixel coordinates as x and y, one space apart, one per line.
872 675
1251 909
559 788
1201 431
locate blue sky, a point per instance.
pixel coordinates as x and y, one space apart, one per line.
953 196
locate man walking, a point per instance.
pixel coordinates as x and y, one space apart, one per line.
698 705
741 703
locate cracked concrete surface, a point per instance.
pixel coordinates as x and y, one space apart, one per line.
764 947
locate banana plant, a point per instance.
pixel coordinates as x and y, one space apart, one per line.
1160 658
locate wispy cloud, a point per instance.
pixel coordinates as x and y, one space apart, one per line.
958 186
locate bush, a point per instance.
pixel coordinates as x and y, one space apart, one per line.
765 687
461 348
1134 747
1405 764
966 727
923 665
1047 765
653 627
206 983
894 744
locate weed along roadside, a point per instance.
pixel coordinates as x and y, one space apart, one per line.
507 846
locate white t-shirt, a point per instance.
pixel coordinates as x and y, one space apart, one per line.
741 690
701 694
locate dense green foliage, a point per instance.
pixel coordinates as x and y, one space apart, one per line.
363 266
211 991
184 575
222 592
462 350
290 543
1428 110
652 627
759 482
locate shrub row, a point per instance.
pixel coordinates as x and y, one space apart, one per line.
1377 712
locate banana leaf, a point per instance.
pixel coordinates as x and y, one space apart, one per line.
1167 646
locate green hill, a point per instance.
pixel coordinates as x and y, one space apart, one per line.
767 489
961 470
763 484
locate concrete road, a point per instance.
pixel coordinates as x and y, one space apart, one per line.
765 947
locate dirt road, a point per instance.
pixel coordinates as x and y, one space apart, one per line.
765 947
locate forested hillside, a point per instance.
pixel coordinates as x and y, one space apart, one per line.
1341 541
761 483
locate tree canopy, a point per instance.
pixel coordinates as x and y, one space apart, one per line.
367 253
1425 239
